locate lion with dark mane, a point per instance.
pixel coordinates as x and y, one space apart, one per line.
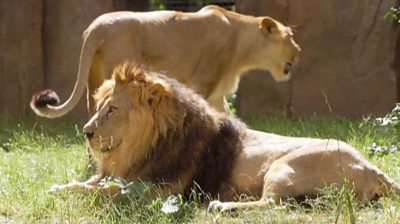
150 127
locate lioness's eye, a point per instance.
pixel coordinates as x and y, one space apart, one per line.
111 110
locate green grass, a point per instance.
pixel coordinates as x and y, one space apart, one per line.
33 158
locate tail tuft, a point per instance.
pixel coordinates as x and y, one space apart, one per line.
44 98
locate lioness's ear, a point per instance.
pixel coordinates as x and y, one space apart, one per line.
269 26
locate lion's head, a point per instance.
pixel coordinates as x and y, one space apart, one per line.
133 110
279 52
151 127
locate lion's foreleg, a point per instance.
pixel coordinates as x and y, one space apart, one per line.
87 187
76 187
229 206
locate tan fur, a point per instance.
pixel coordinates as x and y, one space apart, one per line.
136 91
207 50
146 124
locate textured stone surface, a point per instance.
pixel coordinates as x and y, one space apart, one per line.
64 22
40 45
346 66
21 60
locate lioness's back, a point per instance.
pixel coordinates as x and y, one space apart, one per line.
151 18
165 40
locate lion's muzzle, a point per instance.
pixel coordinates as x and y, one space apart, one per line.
89 128
88 135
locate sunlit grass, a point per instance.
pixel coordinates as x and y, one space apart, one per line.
33 158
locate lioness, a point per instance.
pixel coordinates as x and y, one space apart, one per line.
149 127
206 50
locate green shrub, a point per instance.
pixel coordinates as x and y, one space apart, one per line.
393 14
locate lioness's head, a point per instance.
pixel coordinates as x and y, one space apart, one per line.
279 52
133 110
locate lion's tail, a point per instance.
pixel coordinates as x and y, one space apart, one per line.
388 186
42 104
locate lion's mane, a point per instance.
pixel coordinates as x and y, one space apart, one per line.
188 135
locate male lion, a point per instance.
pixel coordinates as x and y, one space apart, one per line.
149 127
206 50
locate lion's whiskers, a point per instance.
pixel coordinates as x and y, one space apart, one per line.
102 142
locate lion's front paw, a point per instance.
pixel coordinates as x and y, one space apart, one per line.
76 187
56 188
217 206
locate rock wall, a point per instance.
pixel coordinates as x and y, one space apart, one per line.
348 64
40 45
347 61
64 22
21 60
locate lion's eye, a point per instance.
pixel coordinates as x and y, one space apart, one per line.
111 110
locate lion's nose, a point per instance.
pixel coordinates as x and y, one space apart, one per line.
89 135
88 131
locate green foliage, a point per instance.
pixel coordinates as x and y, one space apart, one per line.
389 123
393 14
391 119
376 149
133 189
157 5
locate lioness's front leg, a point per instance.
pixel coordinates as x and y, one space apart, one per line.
219 102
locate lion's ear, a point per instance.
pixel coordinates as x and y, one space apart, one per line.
156 92
269 26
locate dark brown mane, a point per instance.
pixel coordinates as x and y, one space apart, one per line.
207 143
191 139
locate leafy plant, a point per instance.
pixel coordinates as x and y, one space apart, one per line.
389 121
381 150
157 5
172 204
393 14
134 189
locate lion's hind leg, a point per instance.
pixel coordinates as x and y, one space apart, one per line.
305 172
278 184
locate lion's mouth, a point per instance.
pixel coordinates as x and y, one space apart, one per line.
110 148
287 68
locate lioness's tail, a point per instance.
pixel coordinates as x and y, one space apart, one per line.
43 103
